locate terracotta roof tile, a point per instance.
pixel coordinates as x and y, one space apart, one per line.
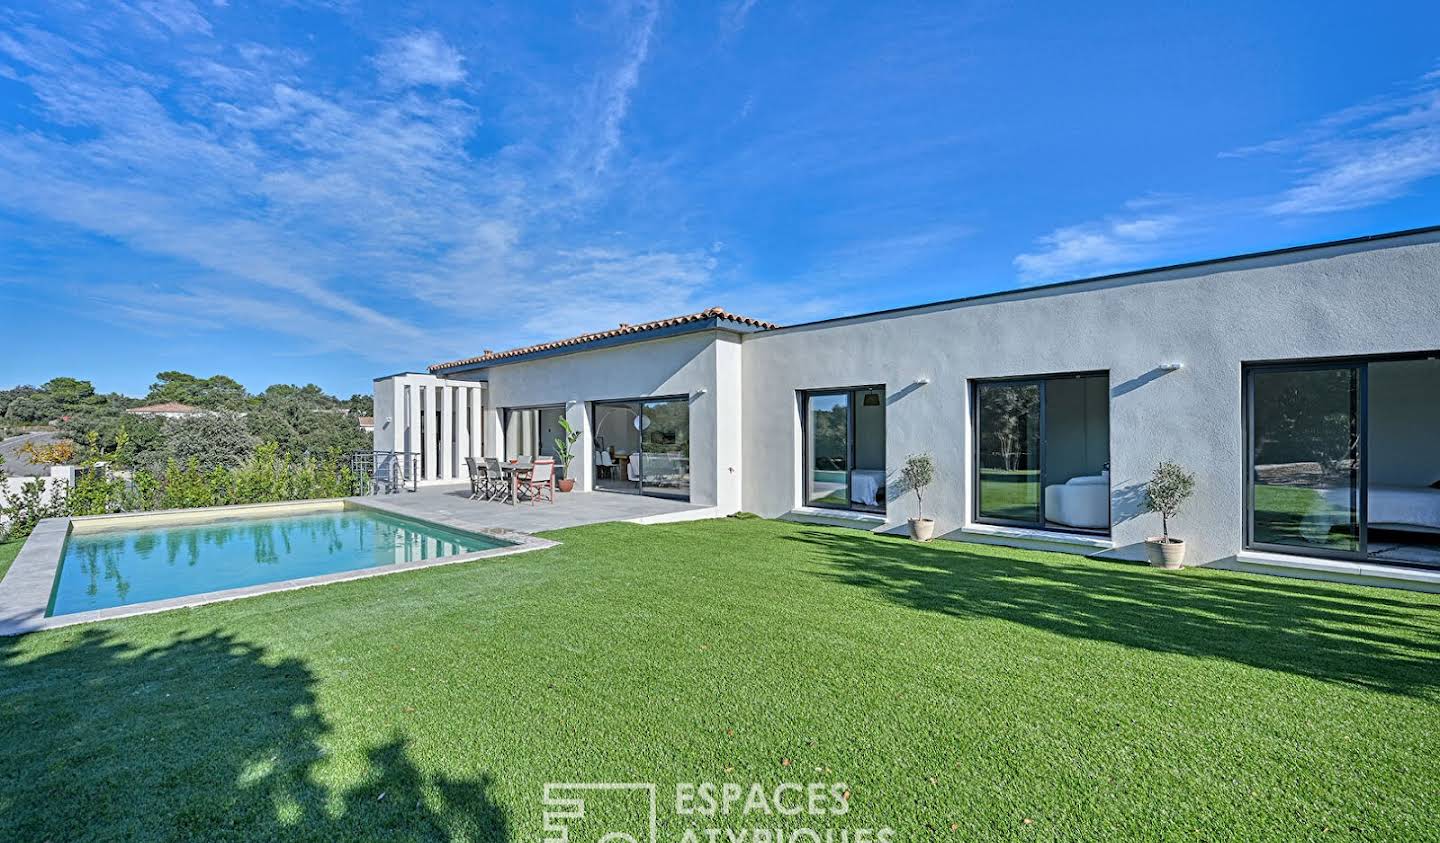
640 328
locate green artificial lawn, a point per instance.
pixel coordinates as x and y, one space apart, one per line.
961 692
8 551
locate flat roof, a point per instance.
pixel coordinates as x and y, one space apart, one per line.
717 317
1128 274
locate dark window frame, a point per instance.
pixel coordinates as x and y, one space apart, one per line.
850 393
1040 380
1361 363
640 488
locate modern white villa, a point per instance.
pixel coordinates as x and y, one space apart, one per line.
1300 386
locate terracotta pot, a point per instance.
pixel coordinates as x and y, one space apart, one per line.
1169 555
565 484
922 529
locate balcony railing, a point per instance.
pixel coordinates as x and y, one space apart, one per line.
385 472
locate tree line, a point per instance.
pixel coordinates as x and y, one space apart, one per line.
298 420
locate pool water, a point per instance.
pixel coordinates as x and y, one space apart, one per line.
124 566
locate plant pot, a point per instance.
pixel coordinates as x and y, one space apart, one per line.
1169 555
922 529
565 484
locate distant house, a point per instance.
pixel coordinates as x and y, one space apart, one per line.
367 423
169 410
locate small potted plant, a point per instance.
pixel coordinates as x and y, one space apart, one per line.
1169 487
565 453
916 475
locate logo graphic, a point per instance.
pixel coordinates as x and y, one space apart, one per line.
565 808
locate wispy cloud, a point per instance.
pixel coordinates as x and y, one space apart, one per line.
1363 155
734 15
356 219
173 17
420 58
611 100
1114 243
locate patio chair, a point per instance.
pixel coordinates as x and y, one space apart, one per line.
498 488
539 481
479 479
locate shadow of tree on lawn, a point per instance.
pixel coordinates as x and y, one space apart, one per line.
205 737
1371 638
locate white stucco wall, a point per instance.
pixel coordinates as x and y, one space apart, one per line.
674 366
1347 300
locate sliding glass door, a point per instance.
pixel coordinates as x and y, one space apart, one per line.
643 447
1042 452
1305 466
665 448
1344 458
1008 442
845 448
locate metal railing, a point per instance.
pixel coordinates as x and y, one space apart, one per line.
385 472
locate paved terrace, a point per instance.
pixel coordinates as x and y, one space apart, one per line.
451 506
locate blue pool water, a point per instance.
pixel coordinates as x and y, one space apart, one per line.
101 570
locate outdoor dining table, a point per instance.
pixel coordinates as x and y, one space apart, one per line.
512 471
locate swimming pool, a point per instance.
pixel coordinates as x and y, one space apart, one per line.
110 565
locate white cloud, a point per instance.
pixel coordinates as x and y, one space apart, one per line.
601 127
1091 248
1363 155
350 220
420 58
734 15
1364 174
175 17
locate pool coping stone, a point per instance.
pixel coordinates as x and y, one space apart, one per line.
26 588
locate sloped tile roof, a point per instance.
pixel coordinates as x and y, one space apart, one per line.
640 328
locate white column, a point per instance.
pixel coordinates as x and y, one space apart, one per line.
432 452
412 428
582 470
477 422
494 433
462 429
447 431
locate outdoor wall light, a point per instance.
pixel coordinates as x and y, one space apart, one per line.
701 391
922 380
1171 366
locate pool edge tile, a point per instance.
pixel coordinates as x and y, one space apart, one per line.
25 591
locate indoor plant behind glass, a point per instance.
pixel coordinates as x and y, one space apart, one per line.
565 453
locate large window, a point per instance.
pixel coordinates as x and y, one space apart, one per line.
845 448
643 447
1343 458
1042 452
531 431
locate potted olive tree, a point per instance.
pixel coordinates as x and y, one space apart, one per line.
915 476
1169 487
565 453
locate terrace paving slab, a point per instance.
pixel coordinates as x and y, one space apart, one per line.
450 506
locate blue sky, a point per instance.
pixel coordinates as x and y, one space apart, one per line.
329 191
